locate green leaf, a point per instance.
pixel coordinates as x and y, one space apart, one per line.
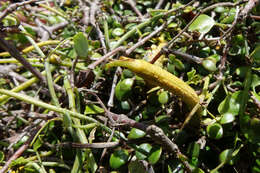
241 71
2 156
135 134
81 45
143 151
118 32
21 142
178 64
18 162
67 120
93 109
123 89
37 144
163 97
231 104
91 164
252 130
193 78
229 17
162 118
155 155
118 158
255 81
215 131
256 96
202 24
255 55
194 150
227 118
136 167
226 156
125 105
209 65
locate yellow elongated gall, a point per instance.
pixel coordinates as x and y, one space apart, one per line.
157 76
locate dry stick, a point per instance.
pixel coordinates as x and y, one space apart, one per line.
159 4
186 56
110 102
170 43
16 54
93 10
101 38
105 149
156 133
46 31
92 145
107 112
19 152
106 56
13 7
255 17
249 6
143 41
133 6
85 18
229 31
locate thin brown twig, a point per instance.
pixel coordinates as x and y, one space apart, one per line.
170 43
133 6
229 31
248 7
159 4
105 149
16 54
106 56
110 102
186 56
101 38
19 152
13 7
46 31
88 145
145 39
255 17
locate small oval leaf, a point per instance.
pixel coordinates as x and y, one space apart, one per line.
209 65
118 158
163 97
135 134
231 103
155 155
225 156
215 131
227 118
202 24
81 45
123 89
143 152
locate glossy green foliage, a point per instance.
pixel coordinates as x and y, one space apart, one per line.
81 45
215 131
123 89
136 134
93 109
231 104
2 156
202 24
136 167
255 55
118 158
163 97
